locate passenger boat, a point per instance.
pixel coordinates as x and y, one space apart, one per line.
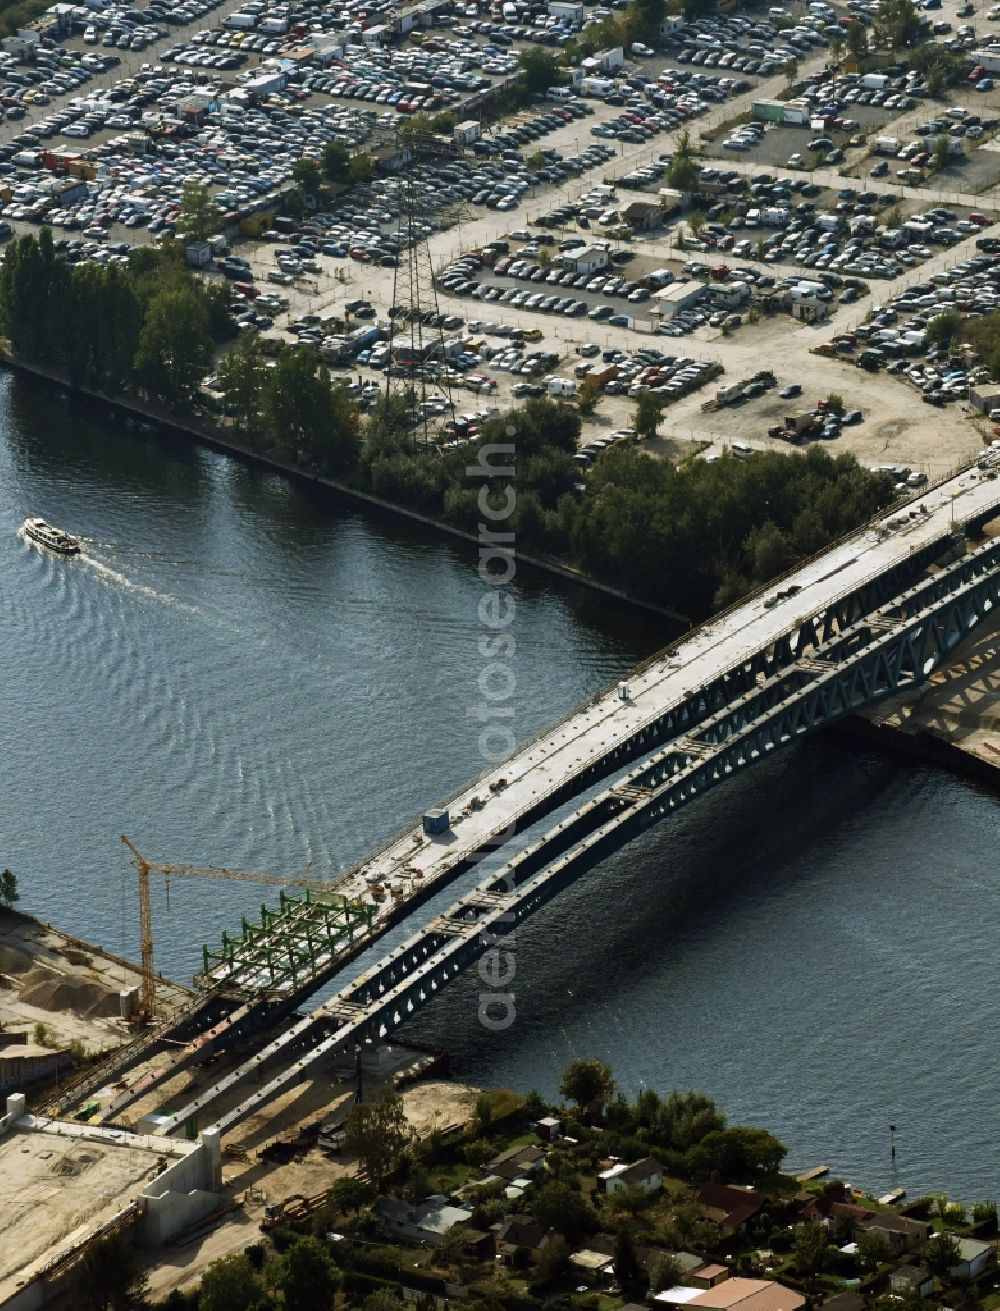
56 539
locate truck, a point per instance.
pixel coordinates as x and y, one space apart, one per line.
875 81
596 86
986 60
240 22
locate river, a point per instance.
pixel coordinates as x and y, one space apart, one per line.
242 672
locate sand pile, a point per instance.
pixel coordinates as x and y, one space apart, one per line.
50 991
14 961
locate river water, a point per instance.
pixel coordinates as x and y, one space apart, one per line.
242 672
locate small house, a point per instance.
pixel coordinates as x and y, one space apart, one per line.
426 1222
901 1232
521 1233
643 215
912 1279
974 1257
516 1163
731 1208
645 1175
548 1128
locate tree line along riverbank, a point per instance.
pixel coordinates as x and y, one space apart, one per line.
689 539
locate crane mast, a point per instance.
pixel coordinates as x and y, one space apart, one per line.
144 867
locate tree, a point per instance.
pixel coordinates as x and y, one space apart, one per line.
682 172
561 1206
941 155
589 395
873 1250
985 1213
898 24
174 351
810 1249
241 374
306 1276
229 1284
383 1299
857 40
110 1277
362 168
790 68
307 176
335 161
588 1082
308 417
376 1133
647 414
628 1271
539 70
8 889
941 1253
696 221
199 215
667 1273
350 1194
737 1153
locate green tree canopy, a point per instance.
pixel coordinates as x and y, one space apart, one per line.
737 1153
539 69
810 1248
873 1250
647 414
306 1276
941 1253
8 889
361 168
307 416
561 1206
628 1270
199 216
587 1082
229 1284
682 171
376 1133
242 372
111 1277
307 176
335 161
350 1194
174 351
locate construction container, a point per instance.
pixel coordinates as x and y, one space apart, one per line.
436 821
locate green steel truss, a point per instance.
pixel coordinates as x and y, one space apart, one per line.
291 944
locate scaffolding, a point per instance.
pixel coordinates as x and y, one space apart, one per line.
290 946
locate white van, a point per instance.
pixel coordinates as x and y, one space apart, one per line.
559 93
740 449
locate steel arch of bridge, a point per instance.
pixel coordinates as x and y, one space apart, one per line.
842 664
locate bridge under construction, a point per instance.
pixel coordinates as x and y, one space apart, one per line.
870 618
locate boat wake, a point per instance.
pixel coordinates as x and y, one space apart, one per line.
130 585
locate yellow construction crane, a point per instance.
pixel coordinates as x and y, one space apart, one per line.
143 866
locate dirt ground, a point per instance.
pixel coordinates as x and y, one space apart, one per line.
52 1190
434 1104
48 977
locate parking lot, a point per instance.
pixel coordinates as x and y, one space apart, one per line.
199 95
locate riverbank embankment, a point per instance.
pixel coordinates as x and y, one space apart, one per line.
207 433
